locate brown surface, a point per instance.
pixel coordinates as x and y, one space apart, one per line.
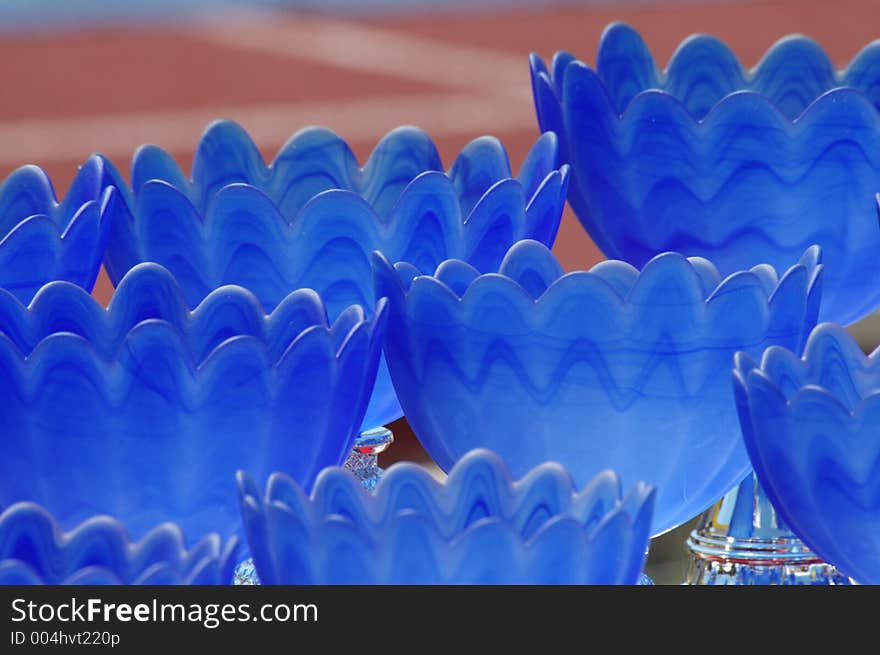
102 72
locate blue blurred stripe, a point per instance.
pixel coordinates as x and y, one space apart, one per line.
50 14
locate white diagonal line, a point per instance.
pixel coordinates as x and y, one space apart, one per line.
369 49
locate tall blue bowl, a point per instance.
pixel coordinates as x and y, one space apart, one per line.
312 217
812 428
709 159
476 527
602 369
43 240
35 550
145 410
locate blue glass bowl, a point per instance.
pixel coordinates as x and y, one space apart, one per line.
312 217
602 369
476 527
710 160
35 550
144 411
43 240
812 429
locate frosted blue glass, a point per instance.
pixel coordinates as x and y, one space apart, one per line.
478 526
312 217
812 429
711 160
43 240
145 410
35 550
602 369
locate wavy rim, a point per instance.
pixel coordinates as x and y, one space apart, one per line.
748 372
539 68
810 261
768 52
209 547
71 290
63 231
128 192
830 96
639 497
563 172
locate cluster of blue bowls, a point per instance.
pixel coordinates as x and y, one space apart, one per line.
265 314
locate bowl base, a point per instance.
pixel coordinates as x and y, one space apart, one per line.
743 541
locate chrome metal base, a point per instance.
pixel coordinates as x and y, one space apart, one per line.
742 541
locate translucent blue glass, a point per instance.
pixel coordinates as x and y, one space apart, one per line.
711 160
476 527
312 217
362 463
602 369
43 240
35 550
812 428
145 410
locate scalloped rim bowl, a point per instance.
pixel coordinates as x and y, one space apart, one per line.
42 239
602 369
146 409
478 526
35 550
812 429
710 160
312 217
